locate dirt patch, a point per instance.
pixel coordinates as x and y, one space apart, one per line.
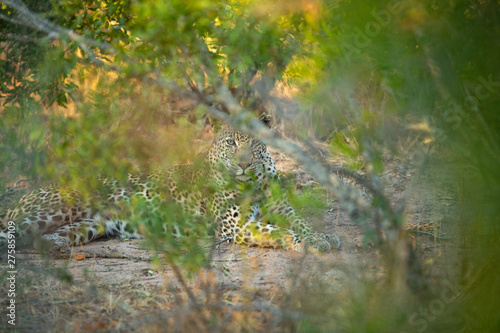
117 287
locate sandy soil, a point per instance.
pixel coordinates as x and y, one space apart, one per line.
121 268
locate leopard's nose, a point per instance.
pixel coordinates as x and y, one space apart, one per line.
244 166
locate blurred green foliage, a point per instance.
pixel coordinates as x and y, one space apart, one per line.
365 71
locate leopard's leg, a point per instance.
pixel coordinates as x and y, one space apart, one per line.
244 230
321 241
255 233
87 230
251 230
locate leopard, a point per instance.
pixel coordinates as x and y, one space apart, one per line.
64 218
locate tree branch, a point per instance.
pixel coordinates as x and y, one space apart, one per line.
30 19
10 19
357 207
241 119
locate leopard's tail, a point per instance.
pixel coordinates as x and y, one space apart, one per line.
7 226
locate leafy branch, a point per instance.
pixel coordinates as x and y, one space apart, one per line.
221 98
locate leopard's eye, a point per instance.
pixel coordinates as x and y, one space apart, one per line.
230 141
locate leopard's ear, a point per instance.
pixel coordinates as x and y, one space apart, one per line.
267 119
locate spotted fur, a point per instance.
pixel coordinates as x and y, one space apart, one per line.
63 217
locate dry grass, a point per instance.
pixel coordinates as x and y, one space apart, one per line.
243 289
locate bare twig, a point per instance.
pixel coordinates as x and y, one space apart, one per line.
27 18
429 233
24 39
57 301
243 120
182 281
13 187
224 240
10 19
112 264
357 207
104 255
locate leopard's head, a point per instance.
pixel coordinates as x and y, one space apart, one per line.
241 156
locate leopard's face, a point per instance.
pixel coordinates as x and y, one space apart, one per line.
240 156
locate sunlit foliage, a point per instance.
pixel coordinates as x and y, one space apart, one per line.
366 73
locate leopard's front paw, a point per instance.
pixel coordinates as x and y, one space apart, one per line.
52 244
322 242
334 240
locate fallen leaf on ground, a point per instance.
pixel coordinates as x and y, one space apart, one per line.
78 256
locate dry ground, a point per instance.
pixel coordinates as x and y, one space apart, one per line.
117 288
